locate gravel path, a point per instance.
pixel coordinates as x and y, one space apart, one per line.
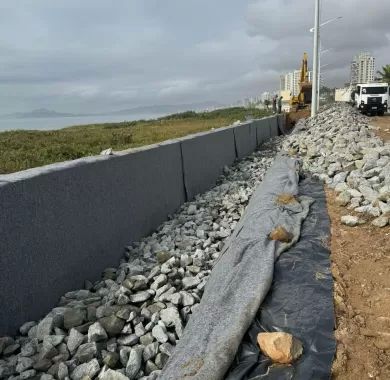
126 325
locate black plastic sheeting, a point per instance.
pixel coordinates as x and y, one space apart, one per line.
300 302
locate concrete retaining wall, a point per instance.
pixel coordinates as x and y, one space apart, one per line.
204 156
64 223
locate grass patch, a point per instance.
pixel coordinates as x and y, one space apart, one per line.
22 150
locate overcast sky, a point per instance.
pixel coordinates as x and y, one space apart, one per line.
97 55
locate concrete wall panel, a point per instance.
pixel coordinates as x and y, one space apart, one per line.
274 129
204 156
282 124
73 220
262 131
245 137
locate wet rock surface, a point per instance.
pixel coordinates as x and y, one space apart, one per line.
126 325
341 148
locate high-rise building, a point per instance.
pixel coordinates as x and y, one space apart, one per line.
290 82
363 69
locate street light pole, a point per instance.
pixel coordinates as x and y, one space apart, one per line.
314 81
320 52
319 79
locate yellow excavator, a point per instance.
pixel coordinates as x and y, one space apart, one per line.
304 97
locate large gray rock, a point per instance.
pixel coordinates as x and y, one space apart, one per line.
112 325
381 222
109 374
171 317
166 349
24 364
134 363
86 352
150 351
384 193
74 318
111 359
55 340
30 373
63 371
139 329
43 365
44 327
369 209
96 333
159 281
89 369
128 340
6 370
29 348
160 334
5 342
74 340
140 297
190 282
343 198
47 351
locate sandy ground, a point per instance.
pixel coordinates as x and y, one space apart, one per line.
361 270
383 123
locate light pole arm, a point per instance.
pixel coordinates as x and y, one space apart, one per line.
327 22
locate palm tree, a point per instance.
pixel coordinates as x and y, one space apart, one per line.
384 74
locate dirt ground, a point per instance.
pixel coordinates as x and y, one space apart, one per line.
383 123
293 116
361 270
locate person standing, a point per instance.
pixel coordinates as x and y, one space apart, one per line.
280 104
274 100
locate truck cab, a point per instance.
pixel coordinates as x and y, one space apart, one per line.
372 98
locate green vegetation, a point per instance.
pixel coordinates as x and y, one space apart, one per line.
27 149
385 74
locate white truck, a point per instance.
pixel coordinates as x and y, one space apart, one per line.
372 98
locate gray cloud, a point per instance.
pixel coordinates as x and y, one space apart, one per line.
95 55
362 28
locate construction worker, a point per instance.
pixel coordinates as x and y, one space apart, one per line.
280 104
274 100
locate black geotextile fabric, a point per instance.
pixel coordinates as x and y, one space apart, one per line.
300 302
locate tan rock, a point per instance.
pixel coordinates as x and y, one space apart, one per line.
280 347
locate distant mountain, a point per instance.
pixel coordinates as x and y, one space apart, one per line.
146 110
38 113
166 109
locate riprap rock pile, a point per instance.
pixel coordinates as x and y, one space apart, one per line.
340 147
